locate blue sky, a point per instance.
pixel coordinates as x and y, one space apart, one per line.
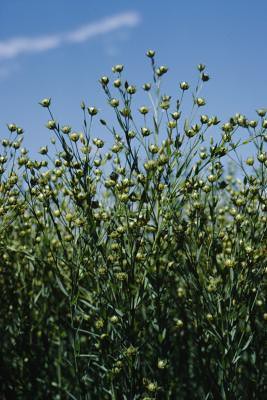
60 48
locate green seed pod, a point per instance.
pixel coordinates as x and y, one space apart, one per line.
92 111
131 89
117 68
262 157
153 148
104 80
165 105
205 77
145 131
201 67
184 85
20 131
125 112
150 53
176 115
161 70
143 110
147 86
261 112
12 127
51 125
172 124
43 150
250 161
253 124
117 83
200 101
114 103
131 134
74 137
45 102
65 129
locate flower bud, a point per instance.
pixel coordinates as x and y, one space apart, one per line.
264 124
45 103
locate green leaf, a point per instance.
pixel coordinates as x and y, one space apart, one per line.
60 284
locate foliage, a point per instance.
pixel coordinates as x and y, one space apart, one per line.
136 273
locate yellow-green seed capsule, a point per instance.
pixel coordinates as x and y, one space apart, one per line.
51 125
104 80
131 89
114 103
200 101
184 85
45 102
118 68
143 110
150 53
92 111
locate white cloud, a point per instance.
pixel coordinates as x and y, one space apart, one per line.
21 45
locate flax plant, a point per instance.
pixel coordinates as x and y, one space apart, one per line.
135 267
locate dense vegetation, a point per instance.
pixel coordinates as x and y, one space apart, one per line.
135 272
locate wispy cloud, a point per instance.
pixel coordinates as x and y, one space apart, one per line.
21 45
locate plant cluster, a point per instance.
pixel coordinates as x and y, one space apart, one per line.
137 271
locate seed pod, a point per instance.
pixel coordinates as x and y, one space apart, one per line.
147 86
184 85
104 80
150 53
45 102
51 125
117 68
92 111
